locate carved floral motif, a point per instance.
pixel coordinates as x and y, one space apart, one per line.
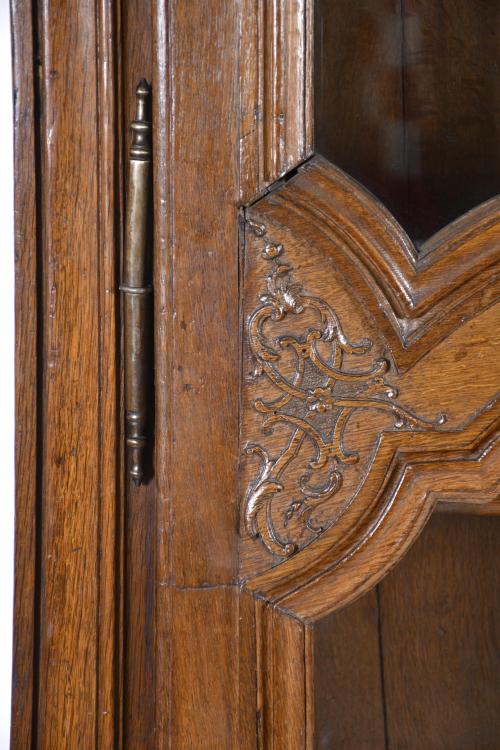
316 402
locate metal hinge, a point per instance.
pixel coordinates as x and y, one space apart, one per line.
136 287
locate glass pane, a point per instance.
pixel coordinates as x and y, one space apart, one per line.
407 100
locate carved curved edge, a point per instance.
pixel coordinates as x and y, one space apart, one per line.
416 475
417 297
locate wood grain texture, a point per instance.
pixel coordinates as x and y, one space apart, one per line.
70 389
195 125
276 128
27 413
204 246
430 316
199 179
418 121
348 681
204 694
66 672
439 614
420 295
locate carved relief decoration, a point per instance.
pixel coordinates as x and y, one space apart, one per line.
315 399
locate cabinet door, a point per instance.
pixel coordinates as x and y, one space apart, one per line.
325 377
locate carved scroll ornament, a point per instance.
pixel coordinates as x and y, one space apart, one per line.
315 402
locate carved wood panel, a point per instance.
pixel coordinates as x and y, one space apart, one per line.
369 378
370 382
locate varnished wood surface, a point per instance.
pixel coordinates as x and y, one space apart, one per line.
66 671
237 94
197 351
204 245
70 488
433 315
416 115
204 668
284 699
249 665
163 319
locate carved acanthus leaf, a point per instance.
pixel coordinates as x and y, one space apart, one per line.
330 393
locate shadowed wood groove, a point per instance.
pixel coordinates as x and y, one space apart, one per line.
27 412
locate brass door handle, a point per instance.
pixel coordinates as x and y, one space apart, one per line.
136 287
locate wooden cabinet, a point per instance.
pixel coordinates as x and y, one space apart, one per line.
311 561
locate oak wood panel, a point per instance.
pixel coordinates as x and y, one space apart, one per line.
475 505
190 636
70 384
418 122
27 413
434 631
204 702
348 680
287 657
204 283
195 128
429 291
139 623
440 610
325 576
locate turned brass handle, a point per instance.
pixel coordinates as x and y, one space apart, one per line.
136 287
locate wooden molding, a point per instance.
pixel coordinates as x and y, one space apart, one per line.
421 295
275 91
27 414
351 332
68 510
347 567
284 660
